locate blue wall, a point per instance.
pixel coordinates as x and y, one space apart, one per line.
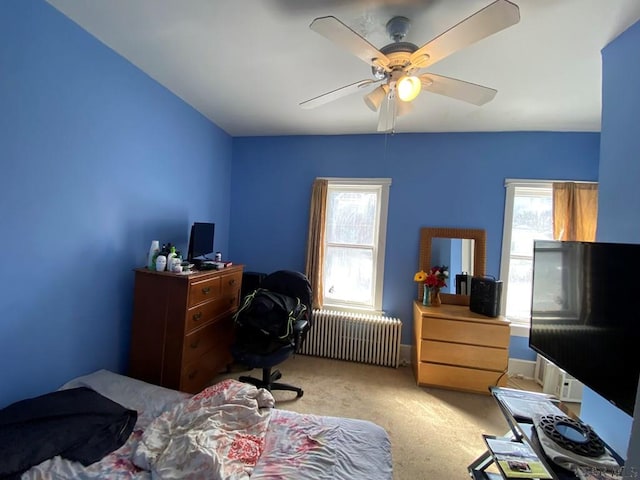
440 180
97 160
619 195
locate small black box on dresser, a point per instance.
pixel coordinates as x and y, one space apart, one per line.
486 295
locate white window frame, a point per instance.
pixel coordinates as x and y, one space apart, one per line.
381 187
518 327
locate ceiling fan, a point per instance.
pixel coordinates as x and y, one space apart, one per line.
396 66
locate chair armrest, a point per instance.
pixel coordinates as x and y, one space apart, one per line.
300 329
300 326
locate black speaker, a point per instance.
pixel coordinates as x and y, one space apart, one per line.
486 293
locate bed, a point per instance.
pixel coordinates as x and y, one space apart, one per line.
229 430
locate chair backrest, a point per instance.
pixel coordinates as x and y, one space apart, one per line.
291 283
268 317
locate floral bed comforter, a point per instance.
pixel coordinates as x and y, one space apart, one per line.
223 433
313 447
218 433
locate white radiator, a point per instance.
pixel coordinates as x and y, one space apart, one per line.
356 337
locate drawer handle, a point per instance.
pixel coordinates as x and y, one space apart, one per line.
232 281
206 290
195 344
193 374
197 316
232 300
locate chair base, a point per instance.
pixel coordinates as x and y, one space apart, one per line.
269 382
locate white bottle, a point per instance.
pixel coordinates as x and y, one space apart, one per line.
161 263
170 258
155 247
176 265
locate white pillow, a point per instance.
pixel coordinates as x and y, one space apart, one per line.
147 399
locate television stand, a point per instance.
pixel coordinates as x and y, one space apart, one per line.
519 416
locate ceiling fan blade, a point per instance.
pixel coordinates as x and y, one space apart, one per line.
491 19
337 93
458 89
387 116
340 34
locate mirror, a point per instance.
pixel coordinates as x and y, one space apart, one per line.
461 249
457 254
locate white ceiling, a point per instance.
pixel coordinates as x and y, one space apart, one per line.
247 64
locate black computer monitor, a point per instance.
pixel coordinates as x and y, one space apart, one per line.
200 240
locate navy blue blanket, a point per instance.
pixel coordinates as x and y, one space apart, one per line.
79 424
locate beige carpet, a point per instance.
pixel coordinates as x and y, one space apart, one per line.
435 433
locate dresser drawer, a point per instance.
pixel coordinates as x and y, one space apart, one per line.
459 378
205 313
486 358
231 284
198 375
200 341
203 290
199 372
465 332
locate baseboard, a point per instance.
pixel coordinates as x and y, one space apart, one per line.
405 355
521 368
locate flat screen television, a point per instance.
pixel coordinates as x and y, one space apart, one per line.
201 240
585 316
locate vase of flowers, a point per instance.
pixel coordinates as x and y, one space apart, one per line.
426 296
433 281
435 300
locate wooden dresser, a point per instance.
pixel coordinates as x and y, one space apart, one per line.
457 349
182 326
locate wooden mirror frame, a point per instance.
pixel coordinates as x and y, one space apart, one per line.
479 256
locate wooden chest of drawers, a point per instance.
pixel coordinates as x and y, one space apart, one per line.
458 349
182 327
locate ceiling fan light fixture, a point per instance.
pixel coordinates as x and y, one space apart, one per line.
403 108
374 99
408 87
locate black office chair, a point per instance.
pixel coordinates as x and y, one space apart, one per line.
271 325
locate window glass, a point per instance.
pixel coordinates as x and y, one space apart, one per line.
532 219
351 217
519 291
529 218
355 230
349 275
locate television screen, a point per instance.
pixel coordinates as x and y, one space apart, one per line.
585 316
201 240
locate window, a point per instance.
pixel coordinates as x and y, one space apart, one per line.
355 235
528 216
558 286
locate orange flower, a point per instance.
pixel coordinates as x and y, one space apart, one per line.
420 276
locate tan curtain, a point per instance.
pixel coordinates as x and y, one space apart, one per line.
575 211
315 239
